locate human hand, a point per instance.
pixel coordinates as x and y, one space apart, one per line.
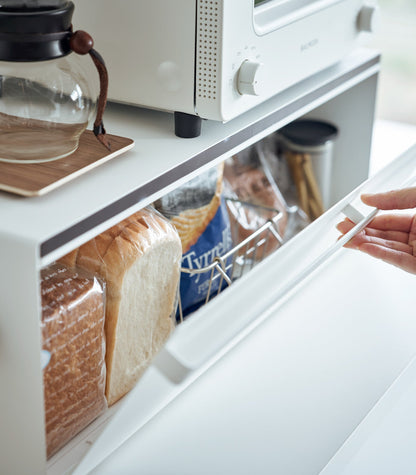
390 237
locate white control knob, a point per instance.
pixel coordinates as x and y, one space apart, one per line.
368 18
248 78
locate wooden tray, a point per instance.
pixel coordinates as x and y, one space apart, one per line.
35 179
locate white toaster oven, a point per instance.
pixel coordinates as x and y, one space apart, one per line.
215 59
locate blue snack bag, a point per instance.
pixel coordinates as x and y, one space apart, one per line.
200 215
214 242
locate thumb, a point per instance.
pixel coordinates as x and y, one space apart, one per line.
395 199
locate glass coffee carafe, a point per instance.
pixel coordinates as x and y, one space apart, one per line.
47 97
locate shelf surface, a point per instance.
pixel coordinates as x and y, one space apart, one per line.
160 160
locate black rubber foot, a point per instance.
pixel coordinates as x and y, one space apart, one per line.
187 126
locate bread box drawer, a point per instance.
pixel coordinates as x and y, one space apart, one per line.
305 361
35 233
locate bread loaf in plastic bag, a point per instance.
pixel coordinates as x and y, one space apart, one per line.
72 325
139 260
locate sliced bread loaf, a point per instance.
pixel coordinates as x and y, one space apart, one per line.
139 259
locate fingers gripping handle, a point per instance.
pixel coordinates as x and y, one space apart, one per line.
358 219
353 214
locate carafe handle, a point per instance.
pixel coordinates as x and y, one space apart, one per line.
82 43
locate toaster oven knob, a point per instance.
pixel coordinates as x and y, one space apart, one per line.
367 18
248 78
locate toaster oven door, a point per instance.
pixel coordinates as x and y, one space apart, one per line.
279 13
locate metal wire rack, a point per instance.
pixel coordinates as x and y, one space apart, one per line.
240 259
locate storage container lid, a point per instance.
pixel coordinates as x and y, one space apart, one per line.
308 132
18 5
34 30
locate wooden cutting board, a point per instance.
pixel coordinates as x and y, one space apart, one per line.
35 179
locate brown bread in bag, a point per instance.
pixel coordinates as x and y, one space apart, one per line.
73 333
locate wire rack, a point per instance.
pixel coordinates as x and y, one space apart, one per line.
239 260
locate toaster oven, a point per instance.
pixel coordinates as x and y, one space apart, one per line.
215 59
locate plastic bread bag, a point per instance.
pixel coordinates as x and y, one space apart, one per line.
139 259
198 211
73 350
246 221
272 157
253 199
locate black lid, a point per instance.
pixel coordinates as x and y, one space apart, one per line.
29 33
18 5
309 132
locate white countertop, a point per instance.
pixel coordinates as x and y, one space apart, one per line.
385 442
390 139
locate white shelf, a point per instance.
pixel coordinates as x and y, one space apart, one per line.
160 161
